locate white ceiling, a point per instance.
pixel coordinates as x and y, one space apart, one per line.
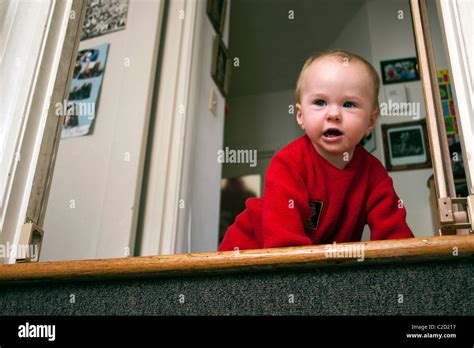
272 48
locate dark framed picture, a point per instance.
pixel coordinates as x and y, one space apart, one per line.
221 66
399 70
216 11
406 146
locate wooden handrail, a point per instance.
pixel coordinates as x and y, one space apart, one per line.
413 249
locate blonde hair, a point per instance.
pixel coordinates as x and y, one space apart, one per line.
347 57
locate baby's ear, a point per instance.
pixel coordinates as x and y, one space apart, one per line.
299 115
373 118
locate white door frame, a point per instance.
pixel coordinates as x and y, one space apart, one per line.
29 185
166 214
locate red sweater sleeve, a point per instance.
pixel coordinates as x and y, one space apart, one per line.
285 204
386 214
241 234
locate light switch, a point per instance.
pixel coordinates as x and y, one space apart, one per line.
213 102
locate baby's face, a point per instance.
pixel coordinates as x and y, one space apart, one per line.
336 107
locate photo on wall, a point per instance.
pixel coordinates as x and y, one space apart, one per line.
85 91
103 17
221 66
399 70
406 146
216 11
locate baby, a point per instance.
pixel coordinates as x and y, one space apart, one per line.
324 187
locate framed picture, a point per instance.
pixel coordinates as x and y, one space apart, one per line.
221 66
368 142
399 70
103 17
406 146
216 11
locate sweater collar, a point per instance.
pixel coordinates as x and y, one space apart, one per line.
350 168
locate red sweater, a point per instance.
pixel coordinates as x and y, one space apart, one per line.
309 201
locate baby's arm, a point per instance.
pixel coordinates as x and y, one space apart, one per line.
386 214
285 204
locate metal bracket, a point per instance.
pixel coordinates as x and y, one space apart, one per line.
451 219
29 245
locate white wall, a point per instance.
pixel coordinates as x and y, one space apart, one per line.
209 132
93 203
466 11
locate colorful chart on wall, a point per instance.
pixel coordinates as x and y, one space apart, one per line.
85 91
103 17
447 101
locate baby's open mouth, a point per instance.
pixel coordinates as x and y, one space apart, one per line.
332 133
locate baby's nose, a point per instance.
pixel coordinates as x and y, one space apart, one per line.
334 113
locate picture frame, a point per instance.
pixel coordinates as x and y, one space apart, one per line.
112 13
406 146
221 66
216 11
399 70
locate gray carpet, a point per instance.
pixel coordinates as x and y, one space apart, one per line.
428 288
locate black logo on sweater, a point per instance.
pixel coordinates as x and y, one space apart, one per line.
316 207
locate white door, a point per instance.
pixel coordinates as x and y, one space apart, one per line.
95 192
457 18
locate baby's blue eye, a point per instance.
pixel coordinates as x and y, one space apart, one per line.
349 105
320 102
